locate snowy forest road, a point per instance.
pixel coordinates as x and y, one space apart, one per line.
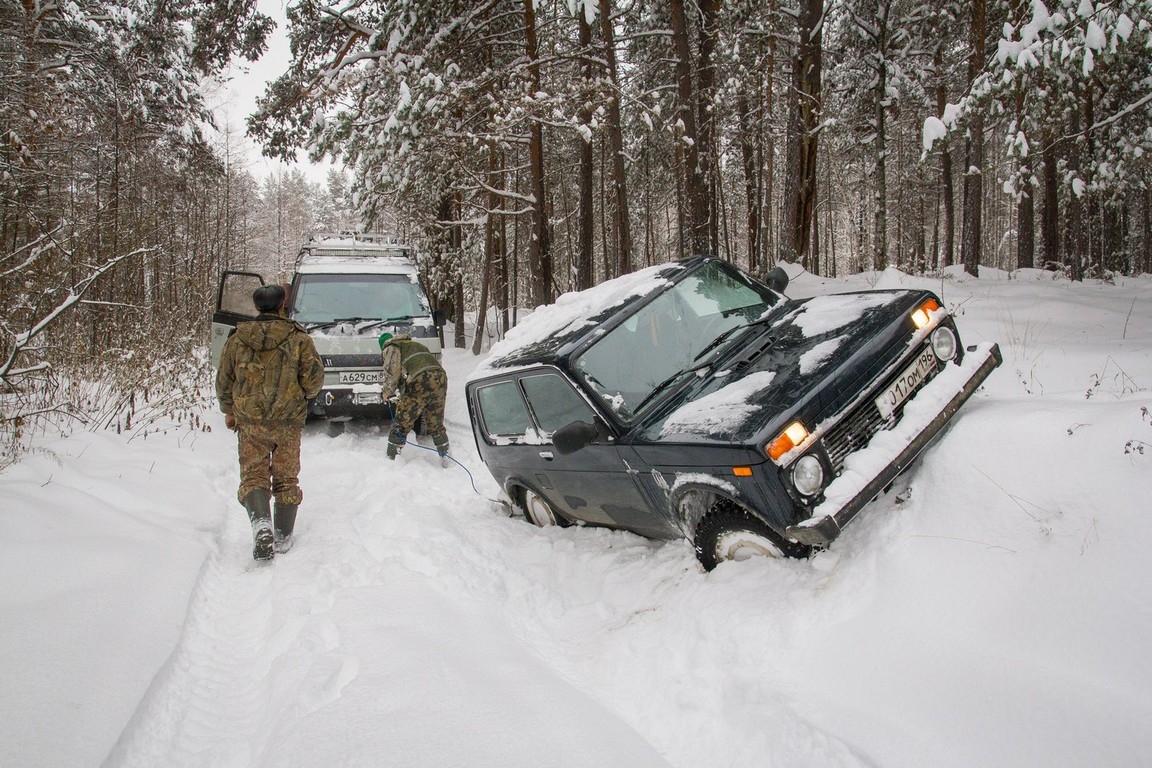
262 671
991 612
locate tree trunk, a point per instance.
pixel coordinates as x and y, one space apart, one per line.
485 282
1026 227
804 116
539 247
751 191
705 95
1050 215
769 218
616 138
696 234
1025 206
586 225
880 233
947 186
974 150
1074 249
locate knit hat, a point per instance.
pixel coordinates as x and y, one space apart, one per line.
384 337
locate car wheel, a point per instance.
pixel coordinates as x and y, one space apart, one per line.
539 512
730 532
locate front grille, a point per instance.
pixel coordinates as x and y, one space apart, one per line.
854 432
857 428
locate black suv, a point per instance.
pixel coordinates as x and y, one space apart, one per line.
690 400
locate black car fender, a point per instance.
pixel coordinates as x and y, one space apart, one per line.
690 501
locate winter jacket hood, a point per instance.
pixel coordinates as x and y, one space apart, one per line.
269 369
266 332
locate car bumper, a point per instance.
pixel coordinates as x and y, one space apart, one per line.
924 418
355 401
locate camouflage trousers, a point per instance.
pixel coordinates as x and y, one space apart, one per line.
270 459
423 396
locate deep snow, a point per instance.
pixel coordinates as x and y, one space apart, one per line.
994 609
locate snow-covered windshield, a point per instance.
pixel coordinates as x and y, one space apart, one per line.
323 298
672 334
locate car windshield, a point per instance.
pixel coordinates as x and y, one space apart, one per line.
671 336
324 298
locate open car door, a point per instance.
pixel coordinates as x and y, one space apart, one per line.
233 305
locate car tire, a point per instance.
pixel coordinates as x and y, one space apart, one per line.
730 532
538 511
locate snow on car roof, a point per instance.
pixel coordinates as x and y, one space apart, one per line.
542 333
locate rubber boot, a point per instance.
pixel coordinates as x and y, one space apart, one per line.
257 502
285 522
394 445
442 451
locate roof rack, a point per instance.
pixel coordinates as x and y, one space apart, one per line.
362 244
379 238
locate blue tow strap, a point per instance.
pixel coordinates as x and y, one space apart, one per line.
404 441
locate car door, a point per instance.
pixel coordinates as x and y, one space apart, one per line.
233 305
593 484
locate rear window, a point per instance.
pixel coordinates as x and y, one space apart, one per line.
502 410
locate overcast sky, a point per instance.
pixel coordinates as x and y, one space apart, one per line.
236 99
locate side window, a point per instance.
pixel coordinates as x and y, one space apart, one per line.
236 293
554 402
503 411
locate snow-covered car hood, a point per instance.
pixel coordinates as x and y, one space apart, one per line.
811 355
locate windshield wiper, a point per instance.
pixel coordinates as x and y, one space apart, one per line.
368 322
402 320
667 383
337 321
720 339
716 341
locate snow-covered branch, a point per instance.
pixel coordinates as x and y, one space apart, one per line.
21 340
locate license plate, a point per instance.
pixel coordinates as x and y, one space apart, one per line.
899 390
359 377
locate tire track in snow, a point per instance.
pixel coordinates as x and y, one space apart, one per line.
253 654
259 673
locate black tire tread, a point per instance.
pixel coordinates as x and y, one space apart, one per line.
725 516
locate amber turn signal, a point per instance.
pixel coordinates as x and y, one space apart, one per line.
794 434
924 312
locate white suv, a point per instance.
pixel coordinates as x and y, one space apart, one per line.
346 290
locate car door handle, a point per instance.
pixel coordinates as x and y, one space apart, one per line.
547 455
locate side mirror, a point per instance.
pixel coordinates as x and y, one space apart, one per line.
439 318
777 279
571 438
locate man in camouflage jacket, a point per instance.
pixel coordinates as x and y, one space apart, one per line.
414 372
269 370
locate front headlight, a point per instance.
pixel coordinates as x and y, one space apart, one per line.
808 475
944 343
